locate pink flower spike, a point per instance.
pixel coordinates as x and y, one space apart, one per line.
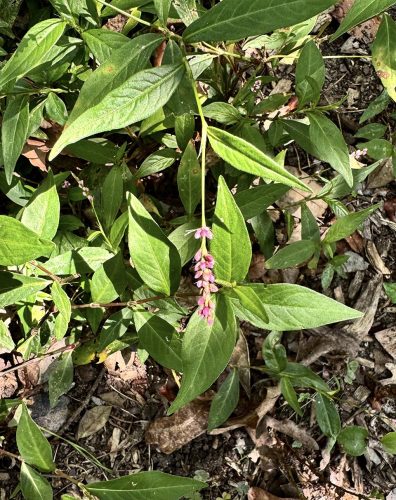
199 283
198 255
203 232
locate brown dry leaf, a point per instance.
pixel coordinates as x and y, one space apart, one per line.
8 382
387 338
259 494
291 429
241 359
92 421
126 366
36 151
171 433
375 259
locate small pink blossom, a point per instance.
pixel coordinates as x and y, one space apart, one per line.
203 232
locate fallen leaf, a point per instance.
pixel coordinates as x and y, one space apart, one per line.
36 152
8 382
171 433
259 494
92 421
126 366
241 359
387 338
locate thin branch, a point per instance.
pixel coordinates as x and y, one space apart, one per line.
130 303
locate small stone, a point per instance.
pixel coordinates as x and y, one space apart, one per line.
354 263
52 419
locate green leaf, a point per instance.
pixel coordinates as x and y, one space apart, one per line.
162 8
292 255
263 228
96 150
371 131
160 339
249 300
187 10
16 287
14 132
41 214
255 201
184 129
231 247
330 145
389 442
376 107
327 416
56 108
222 112
19 244
185 242
82 261
33 485
360 11
310 64
293 307
156 162
102 42
109 280
302 376
60 378
133 100
384 55
345 226
390 289
6 341
152 485
290 395
111 196
299 132
353 440
234 20
114 328
189 179
156 259
274 353
245 157
206 350
118 229
309 226
115 81
32 445
378 149
33 50
225 401
62 303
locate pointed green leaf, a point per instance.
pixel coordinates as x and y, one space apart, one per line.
231 247
293 307
32 445
245 157
18 244
60 378
189 179
185 242
292 255
114 328
310 64
41 214
345 226
133 100
330 145
16 287
290 395
160 339
157 162
309 226
109 280
33 50
6 341
234 20
156 259
62 303
327 416
361 11
255 201
206 351
225 401
152 485
33 485
249 299
82 261
384 55
102 42
162 8
14 132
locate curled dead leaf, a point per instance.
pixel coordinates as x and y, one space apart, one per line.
92 421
